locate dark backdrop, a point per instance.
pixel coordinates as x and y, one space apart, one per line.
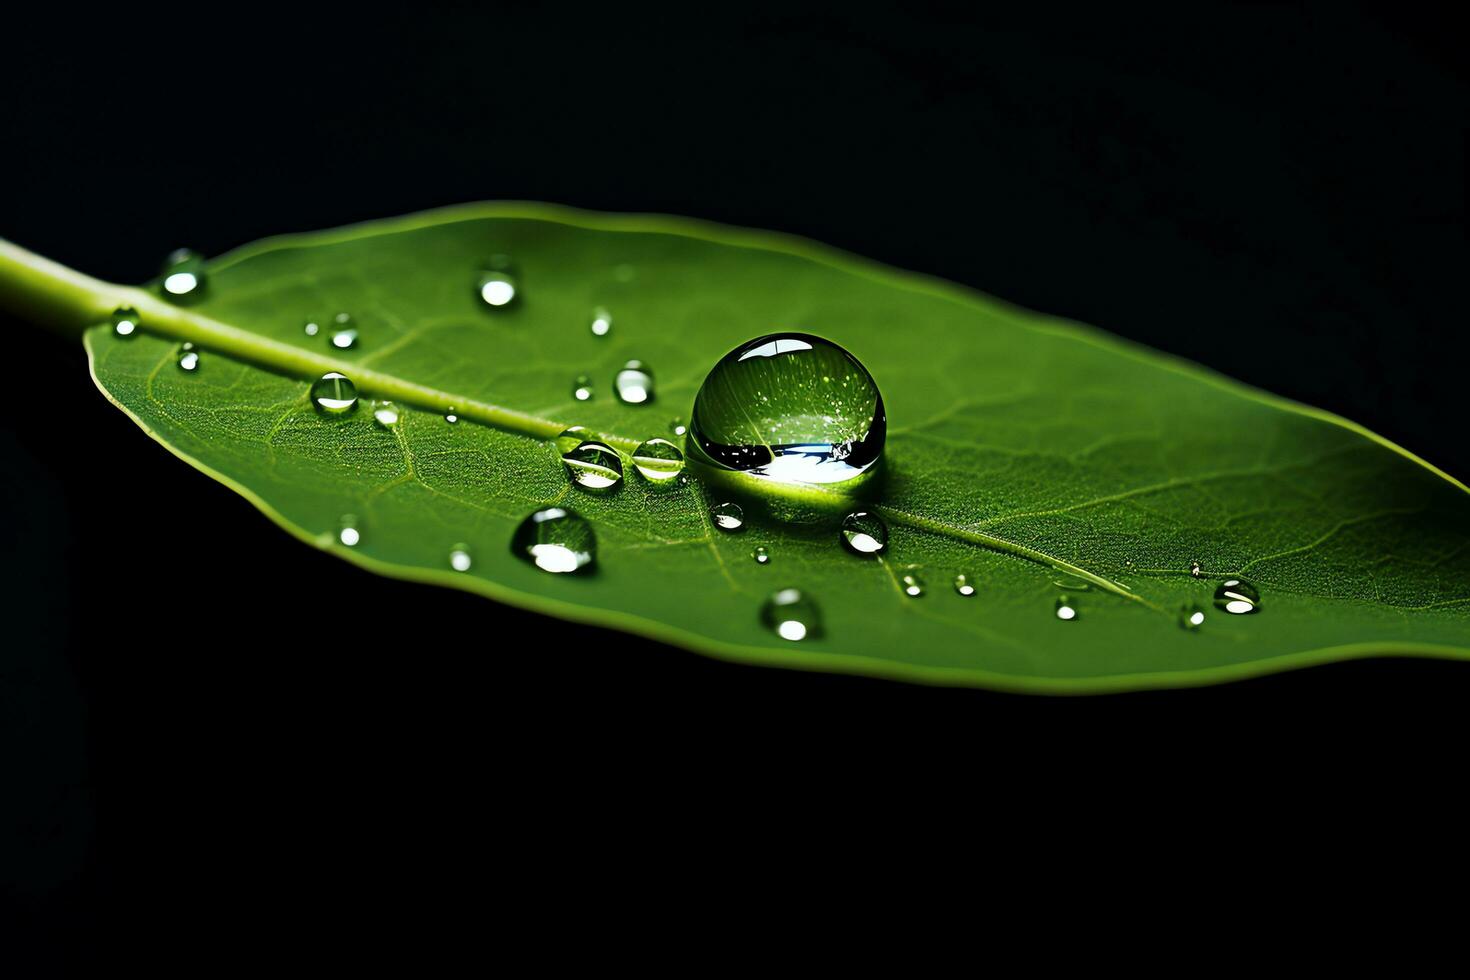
211 727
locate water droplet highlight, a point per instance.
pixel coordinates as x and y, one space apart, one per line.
347 531
125 321
594 466
497 284
634 384
1237 597
658 461
344 334
792 615
450 417
334 393
311 328
911 583
727 516
964 585
1066 609
183 273
1191 616
864 533
188 358
459 558
761 555
582 388
601 322
386 415
555 540
790 408
677 427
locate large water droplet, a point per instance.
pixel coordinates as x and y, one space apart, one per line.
864 533
594 466
792 408
792 615
912 583
634 384
964 585
334 393
183 274
188 358
1191 616
1066 608
727 516
601 322
1237 597
497 284
555 539
125 321
761 555
386 415
459 558
582 388
347 531
658 461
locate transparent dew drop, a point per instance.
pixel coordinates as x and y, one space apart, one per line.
1195 569
658 461
1191 616
125 321
912 583
347 531
188 358
344 333
459 558
334 393
964 585
761 555
601 322
573 437
594 466
677 427
311 328
789 408
634 384
1237 597
555 540
582 388
386 415
792 615
497 285
1066 608
864 533
450 417
183 274
727 516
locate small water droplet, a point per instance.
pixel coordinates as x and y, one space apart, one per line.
864 533
728 516
1195 569
334 393
386 414
1191 616
459 558
347 531
573 437
555 539
1066 608
658 461
582 388
594 466
125 321
344 334
601 322
634 384
761 555
311 328
912 583
183 274
497 284
1237 597
450 417
677 427
964 585
792 615
789 408
188 358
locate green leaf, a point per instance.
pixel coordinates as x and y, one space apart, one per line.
1019 447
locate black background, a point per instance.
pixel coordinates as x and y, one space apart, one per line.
212 730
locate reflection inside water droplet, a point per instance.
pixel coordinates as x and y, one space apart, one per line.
556 540
594 466
334 393
1237 597
658 461
124 321
864 533
727 516
792 615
